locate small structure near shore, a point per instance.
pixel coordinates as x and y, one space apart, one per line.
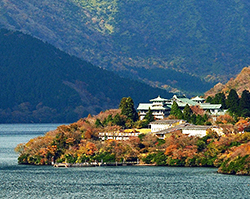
96 164
118 135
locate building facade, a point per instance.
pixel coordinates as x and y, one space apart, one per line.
161 107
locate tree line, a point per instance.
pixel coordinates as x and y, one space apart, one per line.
127 118
236 106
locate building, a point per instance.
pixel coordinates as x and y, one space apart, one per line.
161 107
162 133
159 125
118 135
163 127
158 106
182 101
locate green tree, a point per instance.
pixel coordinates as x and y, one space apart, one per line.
193 119
209 99
220 99
149 116
127 108
233 102
98 123
187 113
199 120
244 104
176 111
118 120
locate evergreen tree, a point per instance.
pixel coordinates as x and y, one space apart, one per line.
118 120
108 120
127 108
193 119
149 116
187 113
98 123
199 120
220 99
209 99
244 104
233 102
175 110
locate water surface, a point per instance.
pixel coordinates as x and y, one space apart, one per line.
22 181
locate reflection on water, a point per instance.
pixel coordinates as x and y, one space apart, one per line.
22 181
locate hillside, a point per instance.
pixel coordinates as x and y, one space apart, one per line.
197 39
240 83
40 83
80 144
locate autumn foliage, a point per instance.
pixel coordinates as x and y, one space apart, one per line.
79 143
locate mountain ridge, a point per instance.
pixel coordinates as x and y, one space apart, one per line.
197 38
40 83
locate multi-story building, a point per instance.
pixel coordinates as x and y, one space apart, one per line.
161 107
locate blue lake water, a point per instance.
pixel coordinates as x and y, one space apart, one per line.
21 181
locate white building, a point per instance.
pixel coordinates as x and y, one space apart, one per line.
161 130
118 135
161 107
159 125
158 106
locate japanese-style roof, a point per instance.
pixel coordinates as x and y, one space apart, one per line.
182 101
167 121
198 127
187 101
210 106
172 129
158 99
146 106
197 98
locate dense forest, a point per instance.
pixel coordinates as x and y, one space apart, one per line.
195 39
40 83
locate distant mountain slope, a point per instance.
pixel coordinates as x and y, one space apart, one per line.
40 83
240 83
199 39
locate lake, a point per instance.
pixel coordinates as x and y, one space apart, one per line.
22 181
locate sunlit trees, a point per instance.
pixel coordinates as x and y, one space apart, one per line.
127 108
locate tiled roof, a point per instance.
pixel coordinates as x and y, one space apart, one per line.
166 121
146 106
197 98
210 106
172 129
158 99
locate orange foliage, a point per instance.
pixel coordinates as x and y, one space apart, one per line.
88 134
90 148
197 110
169 150
225 119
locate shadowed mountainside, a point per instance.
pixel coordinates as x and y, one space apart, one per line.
40 83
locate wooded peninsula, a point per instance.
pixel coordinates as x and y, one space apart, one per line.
80 142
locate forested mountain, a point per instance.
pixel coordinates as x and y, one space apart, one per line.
40 83
197 39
